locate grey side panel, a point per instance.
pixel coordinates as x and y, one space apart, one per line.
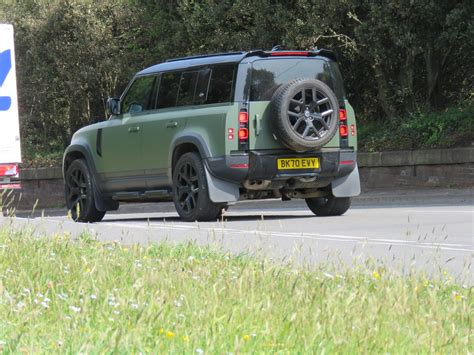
347 186
220 190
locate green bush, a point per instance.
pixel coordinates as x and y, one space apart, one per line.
449 128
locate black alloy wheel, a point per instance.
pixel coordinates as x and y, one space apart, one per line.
305 114
80 194
190 190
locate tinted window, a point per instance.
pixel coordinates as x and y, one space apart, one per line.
168 91
202 87
187 87
220 87
193 87
268 75
139 97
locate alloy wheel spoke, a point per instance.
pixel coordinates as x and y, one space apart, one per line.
298 123
322 101
295 114
315 129
306 130
327 112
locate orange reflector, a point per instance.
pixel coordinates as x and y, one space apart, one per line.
342 114
243 134
243 117
343 130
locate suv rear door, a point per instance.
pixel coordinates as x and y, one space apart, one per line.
266 76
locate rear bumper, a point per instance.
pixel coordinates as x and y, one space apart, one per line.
262 165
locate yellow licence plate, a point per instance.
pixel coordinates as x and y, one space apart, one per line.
298 163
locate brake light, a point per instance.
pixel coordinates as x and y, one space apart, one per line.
342 114
289 53
243 134
243 131
343 130
243 117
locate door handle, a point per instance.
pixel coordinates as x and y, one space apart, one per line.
133 129
258 124
172 124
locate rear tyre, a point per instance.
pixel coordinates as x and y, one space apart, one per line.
329 206
79 190
305 114
190 190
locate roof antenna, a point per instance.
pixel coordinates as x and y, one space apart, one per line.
276 48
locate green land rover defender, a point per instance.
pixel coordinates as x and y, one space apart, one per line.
208 131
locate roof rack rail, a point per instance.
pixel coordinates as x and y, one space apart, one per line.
204 56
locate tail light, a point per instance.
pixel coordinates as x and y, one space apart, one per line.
342 115
243 132
343 131
9 170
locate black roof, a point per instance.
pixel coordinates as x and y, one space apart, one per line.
230 57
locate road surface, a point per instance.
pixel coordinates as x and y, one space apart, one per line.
428 238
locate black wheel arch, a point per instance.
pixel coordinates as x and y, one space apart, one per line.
78 151
189 142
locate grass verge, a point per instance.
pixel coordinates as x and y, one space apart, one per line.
85 296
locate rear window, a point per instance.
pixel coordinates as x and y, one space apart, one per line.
269 74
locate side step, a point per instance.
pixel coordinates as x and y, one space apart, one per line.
142 196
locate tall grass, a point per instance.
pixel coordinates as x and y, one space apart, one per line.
59 295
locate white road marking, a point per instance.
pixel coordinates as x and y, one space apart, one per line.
309 236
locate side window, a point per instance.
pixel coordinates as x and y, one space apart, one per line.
187 87
222 82
168 91
139 97
193 87
202 87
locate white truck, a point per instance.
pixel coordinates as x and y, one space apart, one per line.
10 148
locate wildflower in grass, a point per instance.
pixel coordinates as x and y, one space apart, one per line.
457 296
161 331
246 337
75 309
376 275
3 342
199 351
93 297
134 306
170 334
185 338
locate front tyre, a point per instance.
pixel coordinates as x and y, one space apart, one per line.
329 206
79 191
190 190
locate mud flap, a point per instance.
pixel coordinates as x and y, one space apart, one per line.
220 190
347 186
